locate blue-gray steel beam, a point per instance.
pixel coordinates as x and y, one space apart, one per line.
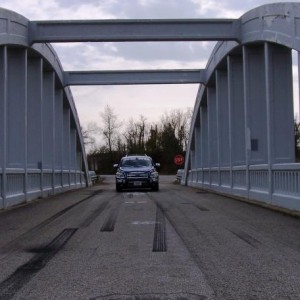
134 30
134 77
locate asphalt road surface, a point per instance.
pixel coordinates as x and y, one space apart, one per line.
179 243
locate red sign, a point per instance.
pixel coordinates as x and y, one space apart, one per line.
179 160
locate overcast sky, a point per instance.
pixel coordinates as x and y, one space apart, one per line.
132 101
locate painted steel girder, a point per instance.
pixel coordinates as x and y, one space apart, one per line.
134 77
134 30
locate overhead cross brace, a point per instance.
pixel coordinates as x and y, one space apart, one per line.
134 30
134 77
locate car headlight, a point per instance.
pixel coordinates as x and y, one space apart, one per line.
120 175
154 174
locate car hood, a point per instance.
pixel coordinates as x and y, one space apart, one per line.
144 169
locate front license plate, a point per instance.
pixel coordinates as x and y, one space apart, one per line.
137 183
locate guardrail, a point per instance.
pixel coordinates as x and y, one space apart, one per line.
278 186
23 185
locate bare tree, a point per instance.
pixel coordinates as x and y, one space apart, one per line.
178 121
89 134
110 129
135 135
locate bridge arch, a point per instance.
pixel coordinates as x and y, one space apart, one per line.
41 147
242 133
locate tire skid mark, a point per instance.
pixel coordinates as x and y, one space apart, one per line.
110 222
200 207
160 234
197 205
240 234
152 296
165 209
89 220
10 286
184 225
98 211
246 238
10 246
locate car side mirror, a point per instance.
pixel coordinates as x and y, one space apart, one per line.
157 165
115 166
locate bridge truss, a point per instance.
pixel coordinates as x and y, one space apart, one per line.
242 133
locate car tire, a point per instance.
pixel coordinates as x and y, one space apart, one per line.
155 187
118 188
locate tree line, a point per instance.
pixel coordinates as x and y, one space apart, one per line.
161 140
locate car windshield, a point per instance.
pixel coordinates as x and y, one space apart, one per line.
135 162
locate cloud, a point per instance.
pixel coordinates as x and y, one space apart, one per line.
61 9
156 9
218 9
131 101
228 8
93 56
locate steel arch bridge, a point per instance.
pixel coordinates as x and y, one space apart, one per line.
242 132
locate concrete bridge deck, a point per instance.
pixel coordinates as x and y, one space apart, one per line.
178 243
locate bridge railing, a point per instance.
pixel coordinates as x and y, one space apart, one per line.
279 186
35 183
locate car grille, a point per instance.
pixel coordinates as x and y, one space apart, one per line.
134 175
